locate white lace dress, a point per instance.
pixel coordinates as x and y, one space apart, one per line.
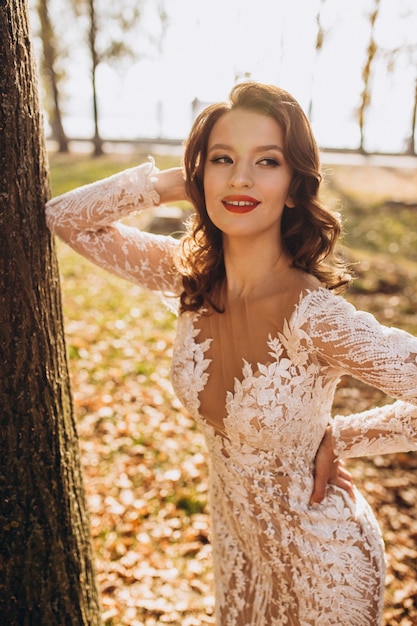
277 560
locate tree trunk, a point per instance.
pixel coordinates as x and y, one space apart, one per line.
412 142
51 79
46 565
367 75
320 36
97 141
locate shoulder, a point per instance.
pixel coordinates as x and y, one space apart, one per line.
320 308
330 317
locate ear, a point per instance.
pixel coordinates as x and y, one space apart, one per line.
295 182
289 202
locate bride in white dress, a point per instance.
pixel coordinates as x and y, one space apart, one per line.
263 338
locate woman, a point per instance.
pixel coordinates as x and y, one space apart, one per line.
262 341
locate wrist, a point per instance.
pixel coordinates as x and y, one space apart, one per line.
170 185
330 444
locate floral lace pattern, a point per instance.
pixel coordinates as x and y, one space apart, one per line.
277 560
283 561
87 219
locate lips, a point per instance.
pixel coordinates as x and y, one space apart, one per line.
240 204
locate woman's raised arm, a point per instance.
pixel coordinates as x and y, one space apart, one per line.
88 219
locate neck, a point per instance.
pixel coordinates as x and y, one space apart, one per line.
253 270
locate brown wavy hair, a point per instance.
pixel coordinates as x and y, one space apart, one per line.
309 231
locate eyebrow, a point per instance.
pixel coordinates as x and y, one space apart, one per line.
224 146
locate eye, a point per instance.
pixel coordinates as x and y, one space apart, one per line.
269 162
222 158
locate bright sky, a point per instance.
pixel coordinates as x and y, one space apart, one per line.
211 42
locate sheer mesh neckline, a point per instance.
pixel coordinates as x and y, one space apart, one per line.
238 345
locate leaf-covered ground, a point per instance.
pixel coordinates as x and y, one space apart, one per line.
145 462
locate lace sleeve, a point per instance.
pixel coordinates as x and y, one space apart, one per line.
354 343
87 219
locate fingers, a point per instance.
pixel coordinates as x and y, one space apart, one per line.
343 479
321 480
343 473
337 475
318 495
329 469
324 468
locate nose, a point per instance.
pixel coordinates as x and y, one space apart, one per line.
240 176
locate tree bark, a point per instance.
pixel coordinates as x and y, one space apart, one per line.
46 564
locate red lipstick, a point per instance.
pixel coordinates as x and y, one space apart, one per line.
239 204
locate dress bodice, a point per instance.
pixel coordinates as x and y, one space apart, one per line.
271 403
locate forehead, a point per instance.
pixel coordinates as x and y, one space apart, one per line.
240 127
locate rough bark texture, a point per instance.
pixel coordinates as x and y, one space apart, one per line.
46 571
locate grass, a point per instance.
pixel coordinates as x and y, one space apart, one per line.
72 170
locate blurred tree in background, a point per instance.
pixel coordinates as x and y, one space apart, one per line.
116 34
51 74
367 74
108 26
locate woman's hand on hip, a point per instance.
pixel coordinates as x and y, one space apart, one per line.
328 469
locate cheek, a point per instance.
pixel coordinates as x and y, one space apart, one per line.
213 180
207 185
218 215
210 196
211 211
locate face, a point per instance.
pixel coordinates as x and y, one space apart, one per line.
246 176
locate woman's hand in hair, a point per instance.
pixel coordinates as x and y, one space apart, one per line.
170 185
